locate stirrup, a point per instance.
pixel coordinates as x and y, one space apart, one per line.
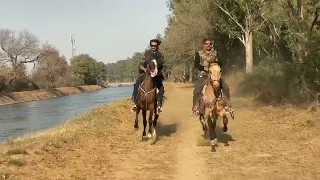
195 113
230 111
133 108
159 110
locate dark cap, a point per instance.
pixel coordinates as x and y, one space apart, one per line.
155 40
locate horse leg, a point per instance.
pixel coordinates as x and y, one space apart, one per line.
225 123
152 129
156 116
212 121
144 114
202 111
150 122
136 125
204 126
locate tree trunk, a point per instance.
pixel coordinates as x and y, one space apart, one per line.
190 73
249 52
300 20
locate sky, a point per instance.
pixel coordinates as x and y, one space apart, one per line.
108 30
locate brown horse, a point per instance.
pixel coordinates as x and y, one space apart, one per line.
211 105
147 101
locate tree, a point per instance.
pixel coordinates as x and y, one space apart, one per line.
101 71
240 19
83 67
18 50
188 26
52 66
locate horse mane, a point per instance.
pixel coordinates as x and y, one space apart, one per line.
155 72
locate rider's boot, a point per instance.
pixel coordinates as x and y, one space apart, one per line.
159 110
160 99
134 97
226 96
134 107
228 106
195 110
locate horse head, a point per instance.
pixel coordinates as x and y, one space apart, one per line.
152 68
214 75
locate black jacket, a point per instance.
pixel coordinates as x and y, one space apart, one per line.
148 56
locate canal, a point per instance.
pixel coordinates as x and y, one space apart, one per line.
29 117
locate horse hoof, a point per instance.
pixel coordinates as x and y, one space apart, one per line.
144 138
225 128
213 148
149 135
136 126
154 137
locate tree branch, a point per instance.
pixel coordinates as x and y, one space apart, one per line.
260 25
242 39
227 13
316 17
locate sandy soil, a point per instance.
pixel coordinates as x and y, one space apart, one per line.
277 143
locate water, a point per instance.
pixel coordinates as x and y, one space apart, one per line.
19 119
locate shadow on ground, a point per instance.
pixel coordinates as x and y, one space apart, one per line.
166 130
223 137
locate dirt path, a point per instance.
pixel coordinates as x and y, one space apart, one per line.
262 143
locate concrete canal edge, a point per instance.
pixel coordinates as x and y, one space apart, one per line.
26 96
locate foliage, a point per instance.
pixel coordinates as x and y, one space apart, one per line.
50 67
277 42
87 70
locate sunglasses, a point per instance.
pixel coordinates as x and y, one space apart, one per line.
153 45
208 44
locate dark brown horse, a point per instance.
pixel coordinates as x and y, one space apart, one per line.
147 101
212 105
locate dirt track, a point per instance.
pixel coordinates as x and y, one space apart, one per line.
264 143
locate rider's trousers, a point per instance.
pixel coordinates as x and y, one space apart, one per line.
200 84
158 84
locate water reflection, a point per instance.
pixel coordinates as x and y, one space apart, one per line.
18 119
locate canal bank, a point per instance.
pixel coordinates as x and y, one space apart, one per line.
27 96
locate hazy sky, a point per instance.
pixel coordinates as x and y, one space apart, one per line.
108 30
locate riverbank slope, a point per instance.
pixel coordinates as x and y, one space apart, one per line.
25 96
262 143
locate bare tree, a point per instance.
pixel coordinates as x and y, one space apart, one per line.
17 50
51 66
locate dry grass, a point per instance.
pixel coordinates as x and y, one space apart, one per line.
263 143
85 130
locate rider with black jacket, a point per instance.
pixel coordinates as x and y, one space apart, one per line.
148 56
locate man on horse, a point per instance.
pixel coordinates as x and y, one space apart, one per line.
202 60
148 56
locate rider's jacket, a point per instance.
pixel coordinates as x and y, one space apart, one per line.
149 55
203 59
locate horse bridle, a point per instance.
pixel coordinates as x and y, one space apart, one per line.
210 80
148 92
